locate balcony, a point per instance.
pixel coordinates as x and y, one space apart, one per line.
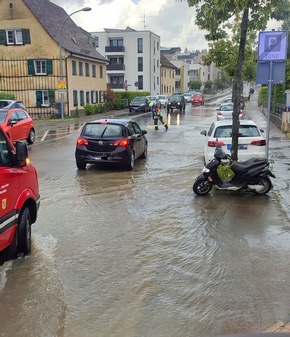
116 85
115 66
115 49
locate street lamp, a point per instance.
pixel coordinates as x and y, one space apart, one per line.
85 9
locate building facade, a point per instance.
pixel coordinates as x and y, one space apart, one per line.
39 42
167 76
134 58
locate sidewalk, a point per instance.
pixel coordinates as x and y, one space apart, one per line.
279 327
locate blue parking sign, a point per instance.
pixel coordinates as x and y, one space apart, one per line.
273 46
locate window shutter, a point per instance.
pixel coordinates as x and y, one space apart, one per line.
30 65
2 37
26 36
49 67
51 96
38 94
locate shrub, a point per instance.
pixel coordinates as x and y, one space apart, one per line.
89 109
7 95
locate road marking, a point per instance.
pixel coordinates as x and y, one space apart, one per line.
44 136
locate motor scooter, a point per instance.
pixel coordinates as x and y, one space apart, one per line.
251 175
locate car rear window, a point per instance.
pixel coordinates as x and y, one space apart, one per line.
244 131
229 107
3 104
102 130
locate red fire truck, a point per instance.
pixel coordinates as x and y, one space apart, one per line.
19 199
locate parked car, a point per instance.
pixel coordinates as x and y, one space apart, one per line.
20 198
197 98
162 100
251 142
227 100
106 141
187 96
225 111
139 103
176 102
17 124
152 99
11 104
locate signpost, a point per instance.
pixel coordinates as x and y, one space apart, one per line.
272 53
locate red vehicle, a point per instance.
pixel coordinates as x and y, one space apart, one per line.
197 99
17 124
19 198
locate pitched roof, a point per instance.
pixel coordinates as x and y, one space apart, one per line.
165 62
54 19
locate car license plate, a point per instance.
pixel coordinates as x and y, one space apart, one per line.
240 146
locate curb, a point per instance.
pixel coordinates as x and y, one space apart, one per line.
279 327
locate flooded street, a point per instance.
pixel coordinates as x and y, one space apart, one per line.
137 254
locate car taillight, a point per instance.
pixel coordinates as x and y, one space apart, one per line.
122 142
82 142
219 114
259 142
212 143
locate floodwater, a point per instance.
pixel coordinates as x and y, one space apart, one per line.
137 254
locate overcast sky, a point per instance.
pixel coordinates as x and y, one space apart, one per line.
172 20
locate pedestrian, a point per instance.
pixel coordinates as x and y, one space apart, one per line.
157 116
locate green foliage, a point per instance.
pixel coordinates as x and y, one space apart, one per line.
263 95
278 94
225 172
208 84
7 95
89 109
195 85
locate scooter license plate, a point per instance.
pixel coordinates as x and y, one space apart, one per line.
240 146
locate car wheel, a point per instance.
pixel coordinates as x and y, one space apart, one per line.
130 164
31 136
144 154
81 166
24 232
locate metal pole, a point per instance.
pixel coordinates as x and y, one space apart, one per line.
85 9
269 108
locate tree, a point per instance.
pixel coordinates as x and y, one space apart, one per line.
252 15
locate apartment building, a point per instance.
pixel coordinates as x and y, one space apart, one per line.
38 39
134 58
167 76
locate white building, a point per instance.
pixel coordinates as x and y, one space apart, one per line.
134 59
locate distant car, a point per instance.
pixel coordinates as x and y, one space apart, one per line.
187 97
225 111
11 104
162 100
176 102
152 99
251 142
227 100
197 98
17 124
118 141
139 104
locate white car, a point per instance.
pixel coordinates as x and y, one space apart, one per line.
187 97
225 111
251 142
162 100
152 99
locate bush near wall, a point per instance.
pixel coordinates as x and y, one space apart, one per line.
130 95
6 95
278 94
263 95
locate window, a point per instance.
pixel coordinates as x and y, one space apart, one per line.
140 45
94 70
140 63
74 67
5 156
44 98
93 97
14 36
140 82
81 68
101 72
82 98
75 98
157 45
157 63
116 43
87 69
39 67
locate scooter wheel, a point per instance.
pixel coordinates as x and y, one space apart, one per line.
202 187
265 184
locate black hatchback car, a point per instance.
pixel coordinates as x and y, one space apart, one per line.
111 141
176 102
139 104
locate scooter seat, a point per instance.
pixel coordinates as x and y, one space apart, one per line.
243 166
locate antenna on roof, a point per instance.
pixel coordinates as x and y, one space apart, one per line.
144 19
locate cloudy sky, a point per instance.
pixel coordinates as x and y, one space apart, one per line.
172 20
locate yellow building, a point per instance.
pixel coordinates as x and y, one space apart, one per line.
36 38
167 76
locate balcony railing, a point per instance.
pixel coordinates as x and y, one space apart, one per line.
115 49
116 85
115 66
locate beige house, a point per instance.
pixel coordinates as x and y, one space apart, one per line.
167 76
36 37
